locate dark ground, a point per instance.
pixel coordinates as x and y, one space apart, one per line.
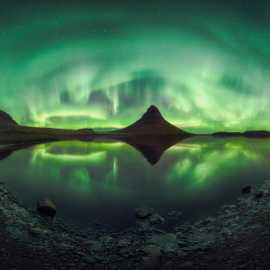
238 237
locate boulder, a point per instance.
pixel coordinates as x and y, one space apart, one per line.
46 207
123 243
174 213
37 231
167 242
258 195
246 189
156 219
144 212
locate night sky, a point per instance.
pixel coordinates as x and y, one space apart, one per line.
205 64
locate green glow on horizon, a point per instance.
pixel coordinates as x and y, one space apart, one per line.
86 68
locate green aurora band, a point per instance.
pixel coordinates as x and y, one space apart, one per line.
86 66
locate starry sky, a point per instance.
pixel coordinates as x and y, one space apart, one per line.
72 64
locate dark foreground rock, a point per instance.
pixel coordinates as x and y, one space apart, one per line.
144 212
46 207
238 237
246 189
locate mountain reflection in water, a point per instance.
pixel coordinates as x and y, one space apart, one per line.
105 181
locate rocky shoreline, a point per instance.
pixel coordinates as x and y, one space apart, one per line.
238 237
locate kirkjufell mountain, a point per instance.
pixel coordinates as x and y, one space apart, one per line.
153 123
148 134
6 120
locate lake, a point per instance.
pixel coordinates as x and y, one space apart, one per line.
105 181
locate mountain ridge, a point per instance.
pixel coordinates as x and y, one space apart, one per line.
153 123
6 120
150 129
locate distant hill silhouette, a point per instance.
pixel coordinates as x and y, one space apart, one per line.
153 123
248 134
6 120
151 134
13 133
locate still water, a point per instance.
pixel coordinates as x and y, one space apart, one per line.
105 181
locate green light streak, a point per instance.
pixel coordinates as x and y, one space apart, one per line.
90 69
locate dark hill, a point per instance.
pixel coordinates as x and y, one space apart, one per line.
248 134
153 123
6 120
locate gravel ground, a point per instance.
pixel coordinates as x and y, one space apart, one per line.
238 237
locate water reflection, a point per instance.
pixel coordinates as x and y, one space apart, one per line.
107 180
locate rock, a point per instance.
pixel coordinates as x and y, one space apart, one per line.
106 239
210 219
246 189
123 243
46 208
167 242
156 219
94 246
37 231
180 235
65 247
143 212
174 213
258 195
144 225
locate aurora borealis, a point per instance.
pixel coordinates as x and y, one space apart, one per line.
91 64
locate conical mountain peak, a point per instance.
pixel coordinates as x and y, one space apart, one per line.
153 110
153 123
152 114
